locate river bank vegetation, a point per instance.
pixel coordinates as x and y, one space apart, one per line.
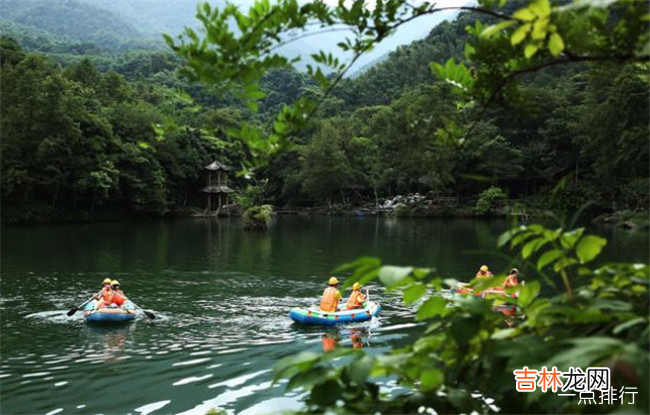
96 136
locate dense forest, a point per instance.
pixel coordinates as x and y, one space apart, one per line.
98 129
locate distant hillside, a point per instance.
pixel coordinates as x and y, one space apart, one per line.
155 17
408 65
360 71
29 37
69 21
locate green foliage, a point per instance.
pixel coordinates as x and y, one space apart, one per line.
240 57
78 143
251 195
324 165
488 200
457 75
395 129
600 318
257 217
421 137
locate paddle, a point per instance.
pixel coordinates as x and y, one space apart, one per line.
367 295
74 310
148 313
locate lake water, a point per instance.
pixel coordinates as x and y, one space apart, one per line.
221 297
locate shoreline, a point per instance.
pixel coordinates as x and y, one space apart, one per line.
623 219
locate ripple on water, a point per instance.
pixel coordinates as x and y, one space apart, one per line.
187 349
35 375
192 362
149 408
240 380
191 379
227 398
274 406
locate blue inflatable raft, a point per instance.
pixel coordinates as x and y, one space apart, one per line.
111 314
315 316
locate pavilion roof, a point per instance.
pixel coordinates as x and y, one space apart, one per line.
217 165
217 189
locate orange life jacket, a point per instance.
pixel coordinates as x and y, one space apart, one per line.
330 299
356 300
119 298
107 295
357 343
329 343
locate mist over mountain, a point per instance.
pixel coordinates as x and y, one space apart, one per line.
70 20
155 17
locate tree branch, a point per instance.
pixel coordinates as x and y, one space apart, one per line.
293 39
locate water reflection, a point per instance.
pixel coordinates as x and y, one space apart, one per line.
112 341
358 336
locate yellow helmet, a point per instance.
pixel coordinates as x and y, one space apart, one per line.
106 281
356 286
115 282
333 281
484 268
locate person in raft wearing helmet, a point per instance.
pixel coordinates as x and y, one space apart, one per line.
106 285
108 296
356 299
511 279
331 296
483 272
115 285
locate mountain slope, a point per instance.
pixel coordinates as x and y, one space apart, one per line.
408 65
156 17
71 21
165 16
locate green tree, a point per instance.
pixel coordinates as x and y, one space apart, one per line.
613 133
324 167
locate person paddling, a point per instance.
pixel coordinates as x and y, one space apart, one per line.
356 299
105 294
483 272
109 296
511 280
106 284
331 296
119 297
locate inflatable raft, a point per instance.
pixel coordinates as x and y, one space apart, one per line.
463 293
111 314
315 316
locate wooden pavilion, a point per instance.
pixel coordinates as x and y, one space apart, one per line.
217 189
